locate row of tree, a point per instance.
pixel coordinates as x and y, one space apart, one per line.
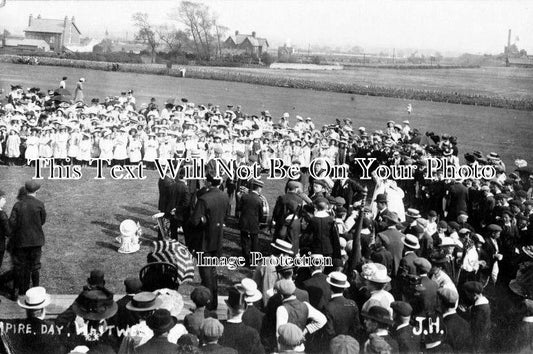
202 34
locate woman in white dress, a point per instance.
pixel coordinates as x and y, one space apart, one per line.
150 150
73 145
60 145
32 146
394 196
165 149
134 149
45 144
106 145
84 153
13 147
120 152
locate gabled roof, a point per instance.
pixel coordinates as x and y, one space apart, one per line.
13 42
48 26
254 41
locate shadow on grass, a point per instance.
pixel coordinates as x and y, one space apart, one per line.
108 245
108 229
138 210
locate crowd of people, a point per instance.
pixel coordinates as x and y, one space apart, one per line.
433 265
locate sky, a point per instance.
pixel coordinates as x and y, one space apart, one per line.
473 26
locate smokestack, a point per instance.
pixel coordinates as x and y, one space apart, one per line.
508 48
253 34
236 33
30 20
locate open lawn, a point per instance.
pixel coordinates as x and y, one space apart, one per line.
84 215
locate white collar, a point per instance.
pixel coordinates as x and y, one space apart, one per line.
236 319
336 295
527 319
449 312
321 214
482 300
316 271
292 297
402 326
382 332
433 345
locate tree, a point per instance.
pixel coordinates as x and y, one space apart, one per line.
146 32
174 40
200 24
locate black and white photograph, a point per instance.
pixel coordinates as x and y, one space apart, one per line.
266 176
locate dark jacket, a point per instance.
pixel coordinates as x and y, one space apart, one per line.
5 229
324 237
458 335
319 291
408 342
167 194
426 300
157 345
182 204
351 191
480 326
213 206
217 348
251 208
27 219
242 338
395 247
193 321
343 317
253 317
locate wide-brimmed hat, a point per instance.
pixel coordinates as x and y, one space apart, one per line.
378 314
338 280
381 198
161 321
249 288
523 284
283 246
35 298
411 241
95 304
144 301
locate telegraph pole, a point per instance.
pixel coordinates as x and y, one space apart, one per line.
508 48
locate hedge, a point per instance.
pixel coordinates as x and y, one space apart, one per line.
258 79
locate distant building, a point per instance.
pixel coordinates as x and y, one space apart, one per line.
57 33
14 44
285 51
247 43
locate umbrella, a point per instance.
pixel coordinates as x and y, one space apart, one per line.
61 98
62 91
176 253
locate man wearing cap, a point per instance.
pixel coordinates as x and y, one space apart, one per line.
251 214
395 245
5 229
407 266
324 237
380 223
290 337
26 220
210 331
425 301
302 314
208 219
403 333
377 321
342 313
457 329
124 317
317 285
237 335
348 189
252 316
480 315
490 253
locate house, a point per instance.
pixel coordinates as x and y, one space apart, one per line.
23 45
247 43
57 33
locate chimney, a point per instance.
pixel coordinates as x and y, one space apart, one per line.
236 33
30 20
253 34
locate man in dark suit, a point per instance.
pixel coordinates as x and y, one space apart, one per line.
407 266
342 313
26 221
251 214
181 211
168 190
348 189
457 200
380 223
480 312
403 333
426 299
252 316
125 318
160 322
236 334
208 218
456 329
285 205
317 286
395 245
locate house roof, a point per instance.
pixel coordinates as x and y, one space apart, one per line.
48 26
13 42
254 41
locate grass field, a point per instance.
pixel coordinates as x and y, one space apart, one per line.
84 215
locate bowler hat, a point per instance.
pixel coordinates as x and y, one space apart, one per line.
96 277
32 186
95 304
473 287
381 198
133 285
161 321
378 314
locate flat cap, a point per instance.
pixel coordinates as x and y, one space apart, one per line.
448 295
290 335
32 186
494 228
402 308
211 328
285 287
422 265
344 344
473 287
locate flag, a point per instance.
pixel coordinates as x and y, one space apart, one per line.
176 253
